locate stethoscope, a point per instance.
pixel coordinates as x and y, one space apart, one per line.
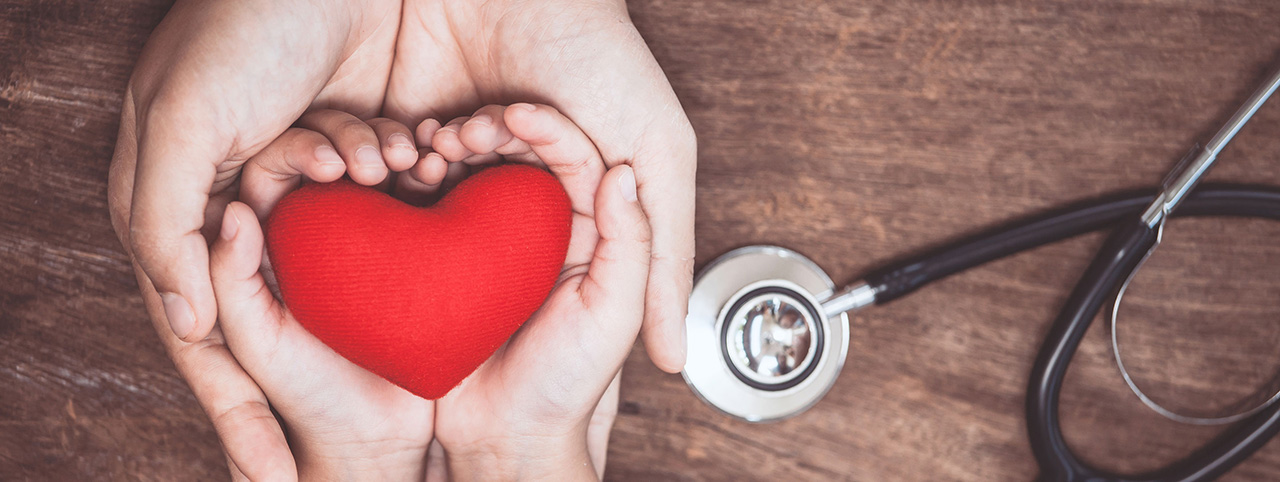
769 331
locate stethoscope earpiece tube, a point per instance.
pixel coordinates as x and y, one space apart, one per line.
1119 256
1122 253
901 279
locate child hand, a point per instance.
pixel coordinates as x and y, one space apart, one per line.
534 409
342 421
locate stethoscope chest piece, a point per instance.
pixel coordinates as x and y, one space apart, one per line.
776 351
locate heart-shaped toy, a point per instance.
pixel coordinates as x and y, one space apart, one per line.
420 296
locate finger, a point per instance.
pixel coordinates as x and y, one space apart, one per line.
174 176
449 138
398 148
420 183
487 140
669 194
616 279
430 170
242 293
356 142
254 321
280 167
485 131
250 434
257 327
563 147
428 174
425 130
602 424
446 141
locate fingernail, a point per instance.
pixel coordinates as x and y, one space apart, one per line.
230 225
526 107
401 141
181 319
368 156
481 120
627 182
327 156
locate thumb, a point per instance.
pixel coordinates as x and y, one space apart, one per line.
174 177
270 344
246 308
614 287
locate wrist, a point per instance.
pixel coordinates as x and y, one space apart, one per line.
520 458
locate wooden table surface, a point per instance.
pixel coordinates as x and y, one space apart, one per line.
852 131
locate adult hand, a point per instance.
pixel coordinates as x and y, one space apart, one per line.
216 82
585 58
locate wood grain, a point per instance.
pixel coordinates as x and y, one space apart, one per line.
852 131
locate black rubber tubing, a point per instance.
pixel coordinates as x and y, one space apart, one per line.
1074 220
1122 252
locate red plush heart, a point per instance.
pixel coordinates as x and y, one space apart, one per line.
420 296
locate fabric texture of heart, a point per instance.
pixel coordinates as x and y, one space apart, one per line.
420 296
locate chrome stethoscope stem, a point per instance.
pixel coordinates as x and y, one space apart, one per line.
853 297
1188 173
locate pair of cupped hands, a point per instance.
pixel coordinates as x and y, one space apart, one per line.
215 94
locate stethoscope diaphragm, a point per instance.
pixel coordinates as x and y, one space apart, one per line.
777 351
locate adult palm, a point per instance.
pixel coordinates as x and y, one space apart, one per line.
585 58
215 84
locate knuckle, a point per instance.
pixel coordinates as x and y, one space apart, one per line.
302 143
239 414
581 165
352 125
307 138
